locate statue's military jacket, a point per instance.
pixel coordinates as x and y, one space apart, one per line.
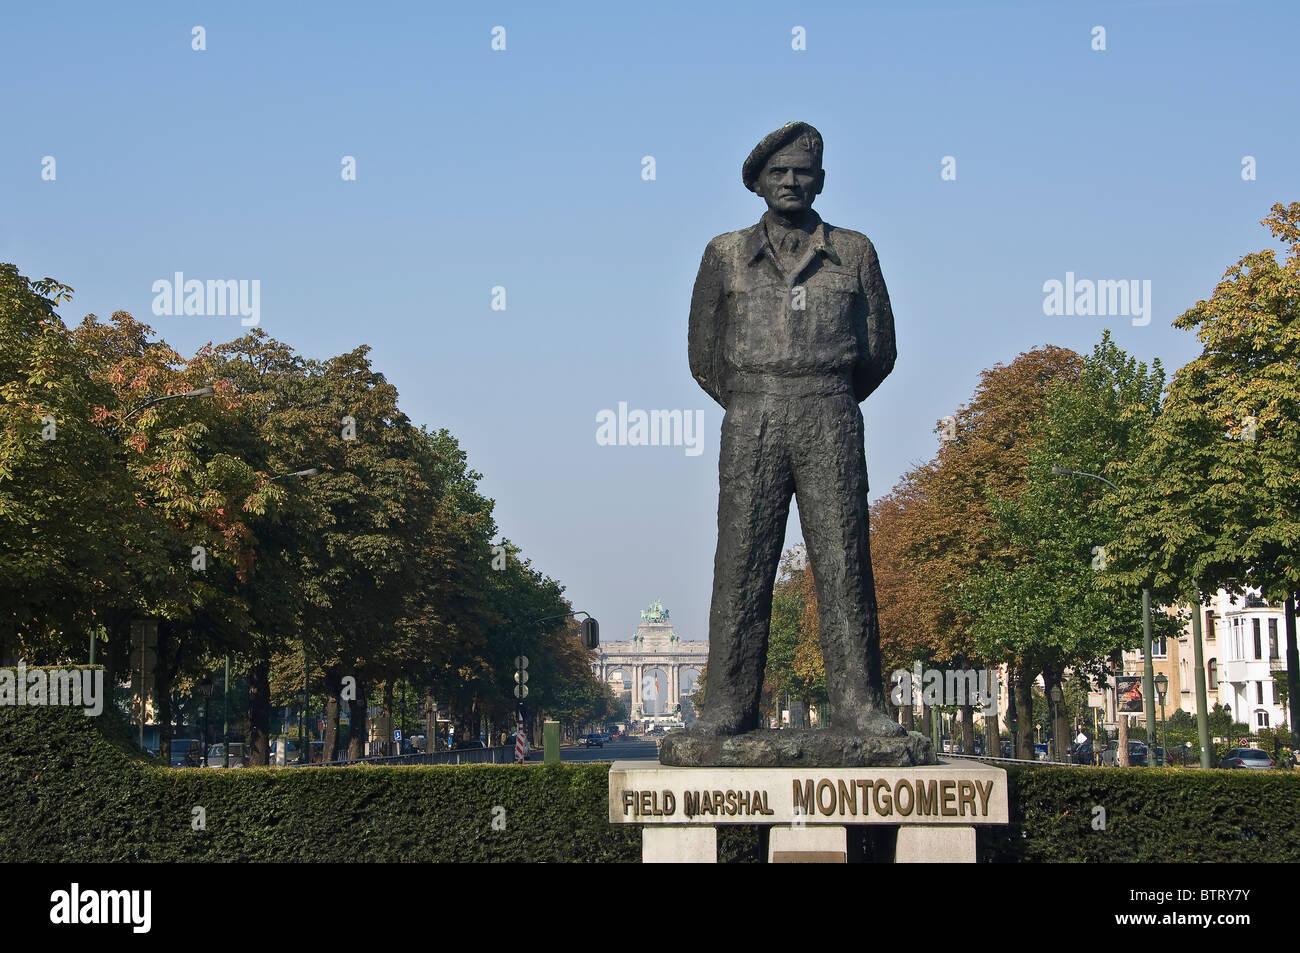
747 326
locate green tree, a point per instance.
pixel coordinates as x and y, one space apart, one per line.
1221 508
1046 608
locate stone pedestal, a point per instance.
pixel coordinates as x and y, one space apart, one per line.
808 845
921 844
679 845
936 808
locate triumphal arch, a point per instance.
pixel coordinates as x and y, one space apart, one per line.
657 667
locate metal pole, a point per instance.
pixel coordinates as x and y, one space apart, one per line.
1293 672
304 739
1202 701
1163 733
1148 670
225 718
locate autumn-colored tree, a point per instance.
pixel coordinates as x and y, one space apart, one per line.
1046 610
936 527
795 669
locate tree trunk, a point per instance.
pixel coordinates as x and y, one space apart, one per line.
1292 671
927 726
1024 686
907 717
259 709
967 729
992 736
386 719
1056 715
162 686
358 733
330 738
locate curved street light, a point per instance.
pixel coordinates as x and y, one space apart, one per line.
198 392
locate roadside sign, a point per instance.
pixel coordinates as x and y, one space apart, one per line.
521 691
521 661
397 734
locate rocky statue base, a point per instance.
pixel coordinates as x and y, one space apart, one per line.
796 748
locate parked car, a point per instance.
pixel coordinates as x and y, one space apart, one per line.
593 741
1137 754
1083 753
1040 752
238 755
186 752
1006 749
1251 758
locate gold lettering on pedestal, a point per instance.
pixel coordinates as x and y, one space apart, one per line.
825 787
984 793
965 795
849 797
927 797
898 798
884 806
803 797
947 795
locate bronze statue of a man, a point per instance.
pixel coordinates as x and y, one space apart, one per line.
790 328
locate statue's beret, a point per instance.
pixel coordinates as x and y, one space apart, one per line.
776 140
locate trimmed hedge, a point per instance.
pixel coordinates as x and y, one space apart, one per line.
72 789
1169 815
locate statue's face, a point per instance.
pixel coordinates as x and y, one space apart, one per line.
790 180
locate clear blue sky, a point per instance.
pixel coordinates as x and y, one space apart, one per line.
522 168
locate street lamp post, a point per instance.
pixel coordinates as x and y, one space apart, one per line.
304 731
1013 722
1162 686
590 640
225 717
1056 697
1148 674
200 392
1202 712
114 431
205 689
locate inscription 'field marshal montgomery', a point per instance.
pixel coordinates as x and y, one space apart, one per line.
790 329
947 794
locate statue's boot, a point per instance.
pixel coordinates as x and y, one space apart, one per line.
868 722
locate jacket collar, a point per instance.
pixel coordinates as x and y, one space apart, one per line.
757 244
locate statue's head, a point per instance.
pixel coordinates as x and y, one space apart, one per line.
785 168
